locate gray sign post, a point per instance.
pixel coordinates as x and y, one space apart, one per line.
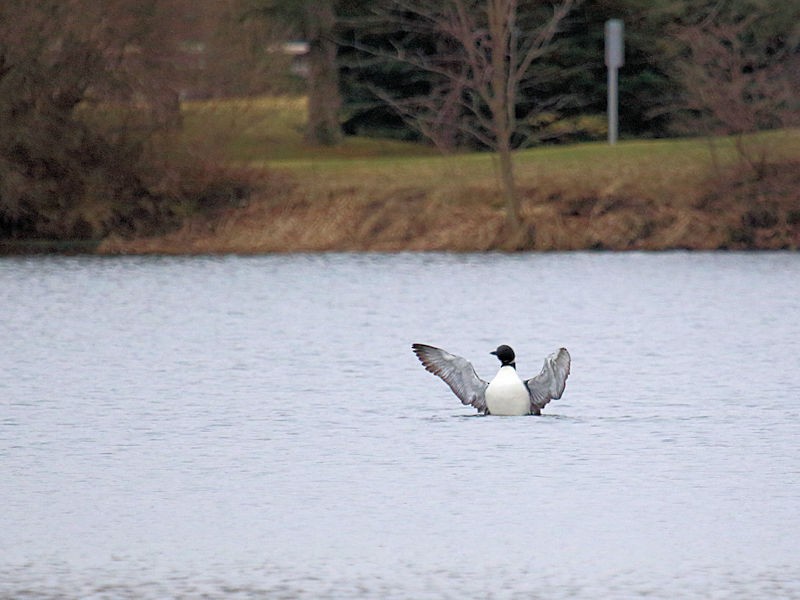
615 58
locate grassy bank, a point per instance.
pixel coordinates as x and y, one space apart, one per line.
383 195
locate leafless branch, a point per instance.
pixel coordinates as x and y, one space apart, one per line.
483 63
736 85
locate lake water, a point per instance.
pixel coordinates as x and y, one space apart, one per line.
258 427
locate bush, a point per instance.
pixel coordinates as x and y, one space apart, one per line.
87 120
61 179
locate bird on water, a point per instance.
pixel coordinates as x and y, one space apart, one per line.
507 394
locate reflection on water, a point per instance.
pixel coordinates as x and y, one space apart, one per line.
259 426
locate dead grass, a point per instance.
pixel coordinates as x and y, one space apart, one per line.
387 196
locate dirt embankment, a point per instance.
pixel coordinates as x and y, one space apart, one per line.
762 214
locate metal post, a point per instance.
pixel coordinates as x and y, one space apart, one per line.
615 58
613 106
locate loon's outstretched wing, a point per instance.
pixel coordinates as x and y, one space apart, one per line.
456 372
550 382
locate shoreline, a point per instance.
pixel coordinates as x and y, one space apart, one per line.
456 215
427 225
656 195
419 223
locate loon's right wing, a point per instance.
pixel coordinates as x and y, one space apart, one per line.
456 372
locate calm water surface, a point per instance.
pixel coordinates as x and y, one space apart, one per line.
258 427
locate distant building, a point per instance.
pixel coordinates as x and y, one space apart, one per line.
298 50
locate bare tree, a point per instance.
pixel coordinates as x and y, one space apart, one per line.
737 84
315 21
324 101
484 56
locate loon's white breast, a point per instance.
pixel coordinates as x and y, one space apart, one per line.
507 395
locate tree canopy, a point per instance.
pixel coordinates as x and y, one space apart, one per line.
570 80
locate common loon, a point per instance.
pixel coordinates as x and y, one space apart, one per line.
506 394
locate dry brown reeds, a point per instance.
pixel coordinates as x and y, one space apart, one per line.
762 214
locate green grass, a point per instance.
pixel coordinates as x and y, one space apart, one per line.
271 129
268 132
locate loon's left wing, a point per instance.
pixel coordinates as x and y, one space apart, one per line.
550 382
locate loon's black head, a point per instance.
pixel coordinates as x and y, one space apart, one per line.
505 354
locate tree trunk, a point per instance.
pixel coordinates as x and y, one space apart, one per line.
509 185
502 100
324 100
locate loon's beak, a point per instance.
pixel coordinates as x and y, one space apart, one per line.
493 352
